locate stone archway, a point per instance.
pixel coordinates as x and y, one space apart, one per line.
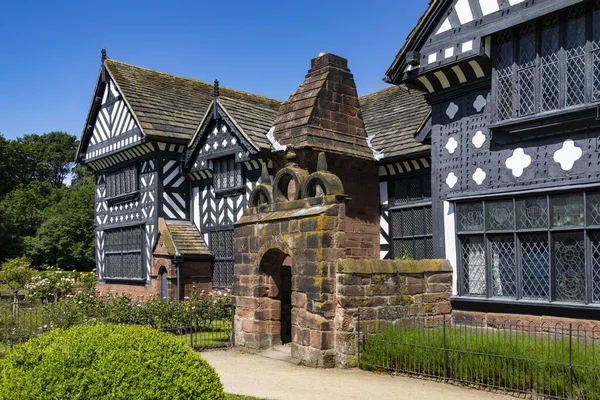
275 272
307 230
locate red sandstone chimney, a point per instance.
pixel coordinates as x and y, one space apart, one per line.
323 114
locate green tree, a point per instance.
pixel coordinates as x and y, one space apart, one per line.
65 238
16 273
48 157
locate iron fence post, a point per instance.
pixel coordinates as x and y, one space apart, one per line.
445 350
191 326
232 335
358 338
571 360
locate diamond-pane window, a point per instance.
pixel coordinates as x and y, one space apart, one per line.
473 266
551 67
545 247
593 208
595 250
535 259
503 264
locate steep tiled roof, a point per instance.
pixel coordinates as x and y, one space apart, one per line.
171 107
254 120
323 113
394 116
182 238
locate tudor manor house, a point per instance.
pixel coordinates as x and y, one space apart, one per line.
483 150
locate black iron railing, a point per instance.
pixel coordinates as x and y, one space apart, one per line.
195 326
539 360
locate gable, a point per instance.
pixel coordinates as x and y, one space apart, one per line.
451 43
218 136
115 127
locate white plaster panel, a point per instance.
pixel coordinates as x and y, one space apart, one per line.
450 242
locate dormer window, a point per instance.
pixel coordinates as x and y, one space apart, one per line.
548 65
227 173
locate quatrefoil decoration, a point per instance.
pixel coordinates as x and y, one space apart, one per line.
478 139
451 145
451 110
479 103
567 155
451 180
518 162
479 176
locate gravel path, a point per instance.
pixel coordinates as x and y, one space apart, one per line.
256 375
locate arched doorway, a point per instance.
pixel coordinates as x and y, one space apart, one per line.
164 289
276 282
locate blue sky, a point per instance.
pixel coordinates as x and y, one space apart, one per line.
50 50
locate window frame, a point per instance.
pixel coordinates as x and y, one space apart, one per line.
591 67
222 261
233 177
129 185
410 204
124 248
589 230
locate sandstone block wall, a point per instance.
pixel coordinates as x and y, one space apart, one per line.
381 291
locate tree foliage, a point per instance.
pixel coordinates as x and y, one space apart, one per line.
41 215
16 273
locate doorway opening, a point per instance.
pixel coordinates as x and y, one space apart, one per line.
276 274
164 289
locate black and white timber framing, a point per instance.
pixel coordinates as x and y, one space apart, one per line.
515 157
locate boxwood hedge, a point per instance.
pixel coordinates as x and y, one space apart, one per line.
107 362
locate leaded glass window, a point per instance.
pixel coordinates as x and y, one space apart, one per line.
123 253
542 65
543 248
227 173
121 182
221 245
410 216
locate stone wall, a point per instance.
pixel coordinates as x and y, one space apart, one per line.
383 291
521 321
311 233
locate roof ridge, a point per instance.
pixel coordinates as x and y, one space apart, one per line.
389 88
258 96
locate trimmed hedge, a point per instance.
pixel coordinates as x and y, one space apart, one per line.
107 362
515 360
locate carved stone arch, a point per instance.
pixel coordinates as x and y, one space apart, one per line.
322 184
261 194
283 179
273 244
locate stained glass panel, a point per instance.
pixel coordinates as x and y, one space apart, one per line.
499 215
470 217
569 264
532 213
567 210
